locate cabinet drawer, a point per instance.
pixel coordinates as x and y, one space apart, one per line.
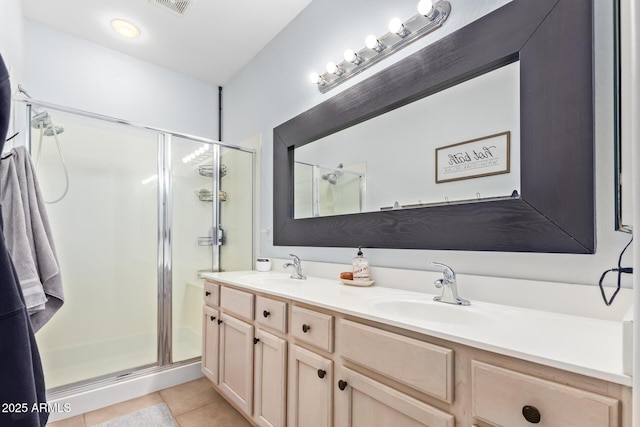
360 400
238 302
271 313
499 397
211 293
423 366
312 327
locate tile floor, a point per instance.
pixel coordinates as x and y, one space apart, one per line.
193 404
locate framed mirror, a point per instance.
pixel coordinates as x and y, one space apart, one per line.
551 40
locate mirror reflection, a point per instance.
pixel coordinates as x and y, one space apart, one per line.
389 162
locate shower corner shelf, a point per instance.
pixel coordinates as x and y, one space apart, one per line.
207 171
205 241
205 195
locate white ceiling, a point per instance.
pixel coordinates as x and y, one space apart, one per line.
212 41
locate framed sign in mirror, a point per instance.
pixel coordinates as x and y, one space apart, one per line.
553 212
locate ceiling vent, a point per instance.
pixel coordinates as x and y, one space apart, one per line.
176 6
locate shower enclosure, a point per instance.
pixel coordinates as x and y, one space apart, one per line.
136 214
323 191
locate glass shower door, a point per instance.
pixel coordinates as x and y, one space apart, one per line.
105 233
193 241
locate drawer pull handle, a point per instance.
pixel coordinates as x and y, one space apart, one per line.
266 313
342 384
306 328
207 293
256 340
322 373
213 318
531 414
219 321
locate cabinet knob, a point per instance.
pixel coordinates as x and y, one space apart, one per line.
306 328
219 321
322 373
266 313
213 318
342 384
256 340
531 414
207 293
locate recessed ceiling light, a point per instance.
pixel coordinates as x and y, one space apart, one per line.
125 28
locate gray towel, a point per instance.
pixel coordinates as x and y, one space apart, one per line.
28 238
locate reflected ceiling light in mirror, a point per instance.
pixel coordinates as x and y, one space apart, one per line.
429 18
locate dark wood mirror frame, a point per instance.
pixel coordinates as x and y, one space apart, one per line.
553 40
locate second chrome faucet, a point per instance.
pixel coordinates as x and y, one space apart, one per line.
448 286
297 268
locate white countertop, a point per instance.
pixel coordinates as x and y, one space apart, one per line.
583 345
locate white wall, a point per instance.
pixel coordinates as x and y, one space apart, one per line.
11 36
273 88
68 71
12 44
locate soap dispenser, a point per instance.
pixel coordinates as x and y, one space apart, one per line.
360 267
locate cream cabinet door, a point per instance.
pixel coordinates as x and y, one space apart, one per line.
310 389
270 387
210 343
236 361
363 402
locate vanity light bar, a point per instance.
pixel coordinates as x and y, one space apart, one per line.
429 18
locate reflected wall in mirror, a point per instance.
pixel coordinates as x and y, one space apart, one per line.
552 40
390 160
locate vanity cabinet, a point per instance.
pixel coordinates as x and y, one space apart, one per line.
210 343
426 367
362 402
270 372
312 327
310 389
502 397
243 355
287 363
236 361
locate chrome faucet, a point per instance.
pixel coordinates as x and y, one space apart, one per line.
297 268
449 287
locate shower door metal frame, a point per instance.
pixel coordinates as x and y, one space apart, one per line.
164 265
165 276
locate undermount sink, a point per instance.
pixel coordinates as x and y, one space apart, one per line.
429 310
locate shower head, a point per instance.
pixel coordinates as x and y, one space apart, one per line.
43 121
332 177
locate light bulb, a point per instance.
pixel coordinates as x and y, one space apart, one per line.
331 67
314 78
395 25
185 160
349 55
371 41
425 7
200 150
206 147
